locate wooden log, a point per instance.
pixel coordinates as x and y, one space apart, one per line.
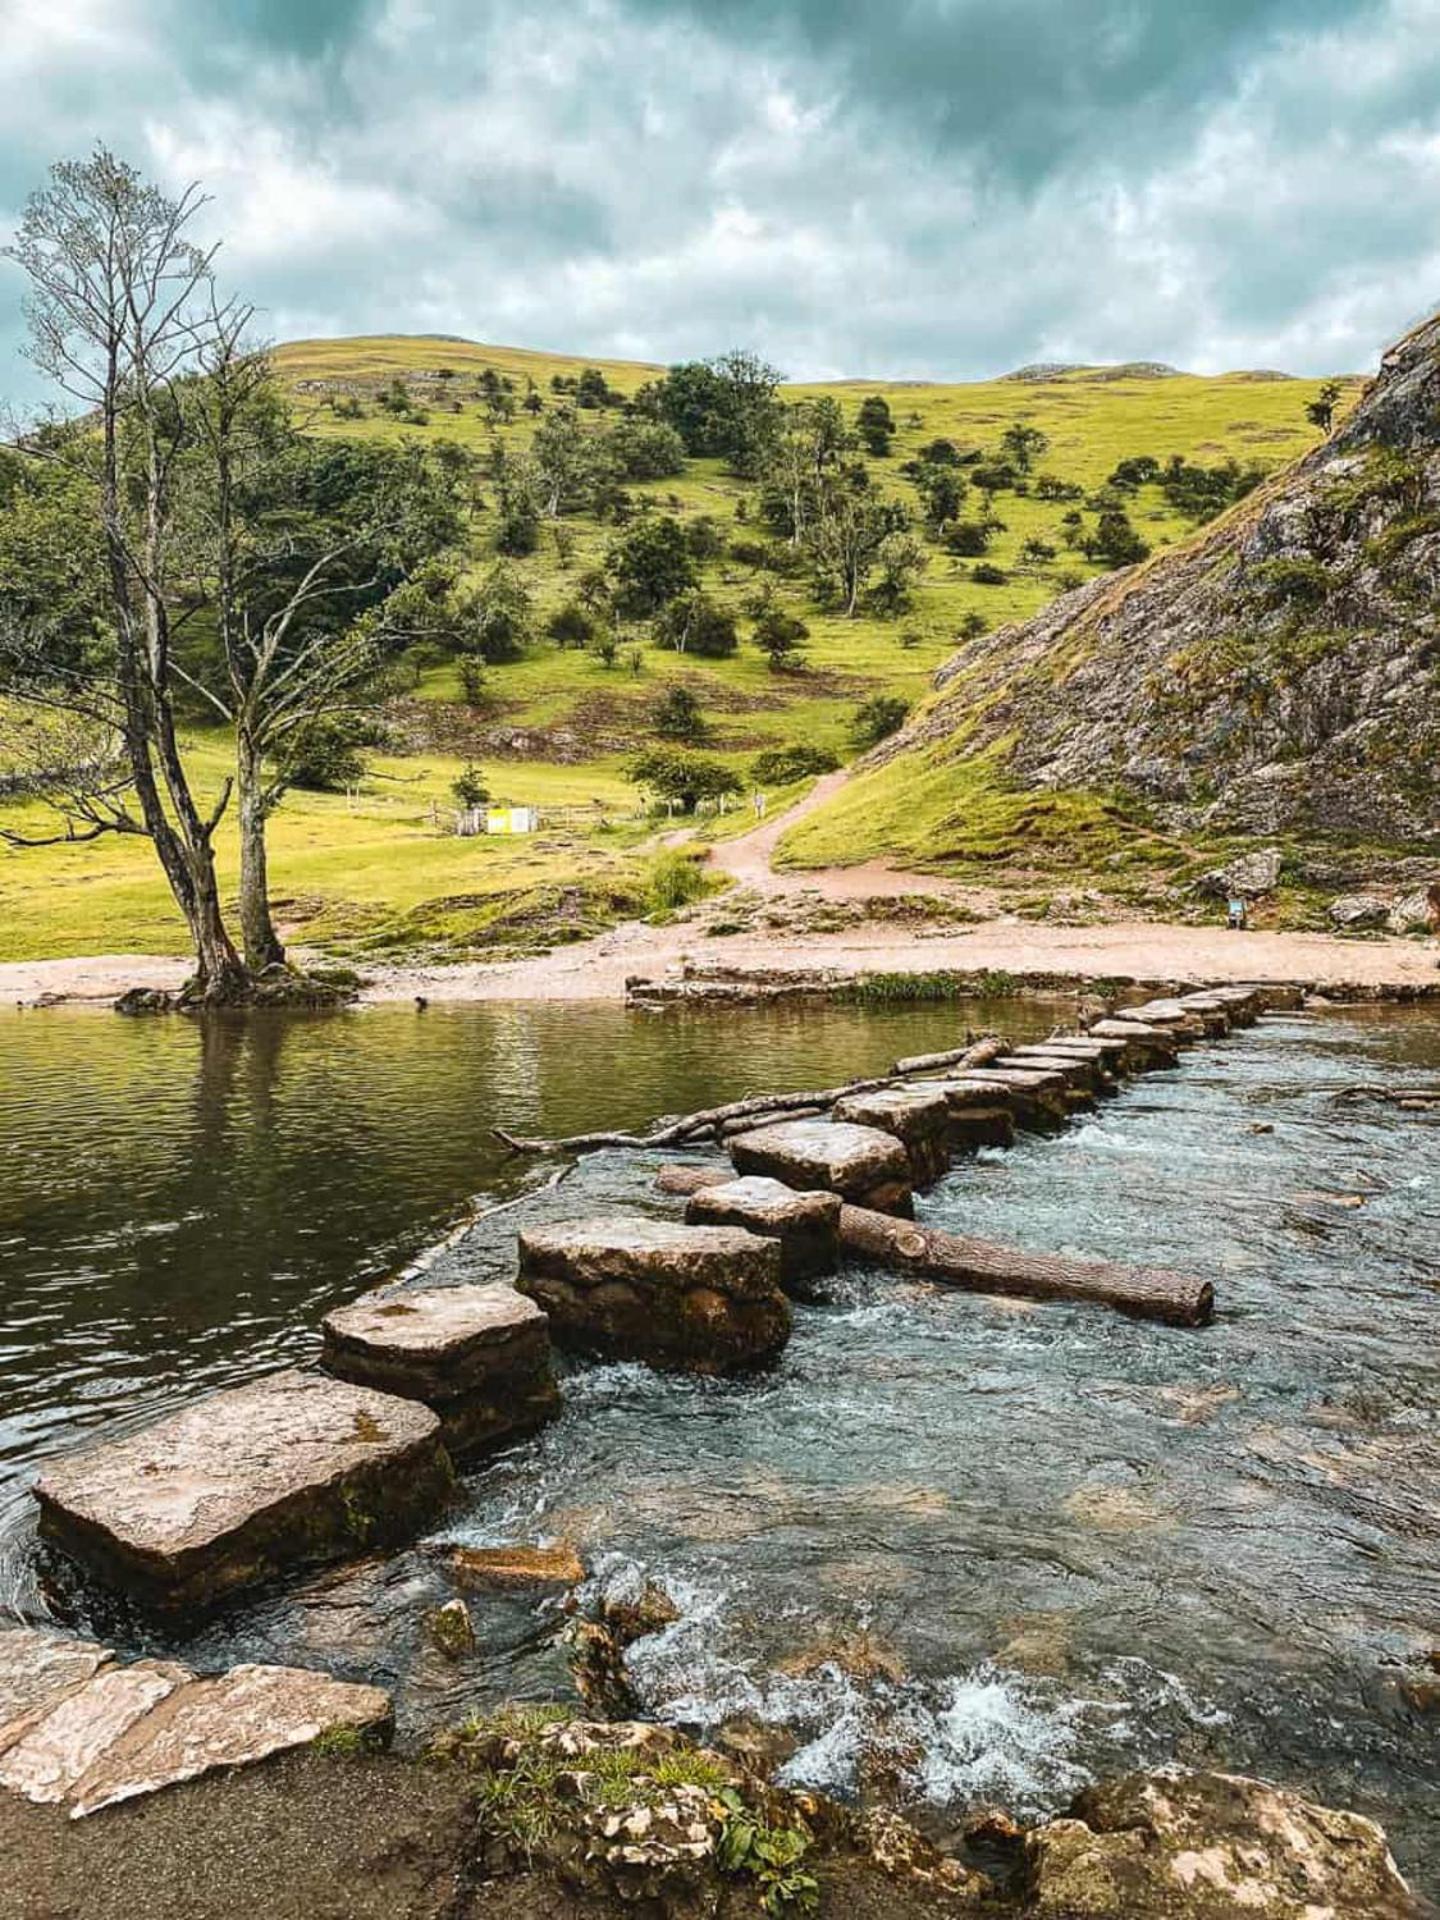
979 1266
978 1054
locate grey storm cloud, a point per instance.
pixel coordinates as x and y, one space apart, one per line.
880 187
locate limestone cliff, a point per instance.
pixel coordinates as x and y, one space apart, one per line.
1279 673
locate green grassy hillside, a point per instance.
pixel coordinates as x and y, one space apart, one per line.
380 872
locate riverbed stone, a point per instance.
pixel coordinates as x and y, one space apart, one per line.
918 1119
479 1356
864 1165
1209 1846
60 1749
696 1299
1147 1047
977 1116
231 1720
239 1486
806 1225
38 1670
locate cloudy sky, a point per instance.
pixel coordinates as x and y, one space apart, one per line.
878 187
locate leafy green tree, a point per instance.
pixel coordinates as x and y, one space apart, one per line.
571 464
780 636
942 487
968 539
725 409
901 560
646 449
876 425
518 495
501 616
779 766
571 625
593 390
684 778
1115 543
1024 445
470 787
843 541
694 623
651 566
1320 412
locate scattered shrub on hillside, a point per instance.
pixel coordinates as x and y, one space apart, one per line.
901 560
1201 492
876 426
326 756
564 539
996 476
676 715
347 407
683 778
1115 543
756 553
651 566
571 626
780 635
469 786
593 390
1036 552
1296 582
879 717
646 449
1320 411
726 408
986 574
940 453
973 625
1138 471
967 539
1024 445
1049 486
779 766
673 880
705 537
517 505
943 489
474 685
694 623
501 616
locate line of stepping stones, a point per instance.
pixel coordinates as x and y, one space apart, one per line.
306 1467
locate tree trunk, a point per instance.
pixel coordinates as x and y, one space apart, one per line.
262 944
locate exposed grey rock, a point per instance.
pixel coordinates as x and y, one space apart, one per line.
246 1483
807 1225
1357 911
59 1750
479 1355
1209 1846
1417 912
863 1165
1247 878
1275 674
918 1119
701 1299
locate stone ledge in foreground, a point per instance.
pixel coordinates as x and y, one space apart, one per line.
479 1356
292 1469
107 1732
698 1299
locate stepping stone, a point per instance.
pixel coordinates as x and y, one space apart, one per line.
697 1299
863 1165
37 1671
1039 1096
918 1120
58 1751
1086 1076
231 1720
244 1484
807 1225
1146 1046
479 1356
1176 1019
976 1115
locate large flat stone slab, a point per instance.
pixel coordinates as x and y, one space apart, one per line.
293 1468
700 1299
979 1116
231 1720
864 1165
918 1119
807 1225
479 1356
37 1671
60 1749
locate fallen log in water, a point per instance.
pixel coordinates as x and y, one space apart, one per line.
717 1123
1408 1099
981 1266
1149 1293
979 1053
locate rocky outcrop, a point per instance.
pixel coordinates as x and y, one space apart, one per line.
697 1299
479 1356
1209 1846
1276 674
242 1485
863 1165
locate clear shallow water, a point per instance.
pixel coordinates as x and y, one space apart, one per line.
988 1550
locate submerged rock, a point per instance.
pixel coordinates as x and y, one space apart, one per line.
293 1468
1209 1846
479 1356
518 1568
807 1225
698 1299
864 1165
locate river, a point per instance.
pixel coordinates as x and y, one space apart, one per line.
982 1549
